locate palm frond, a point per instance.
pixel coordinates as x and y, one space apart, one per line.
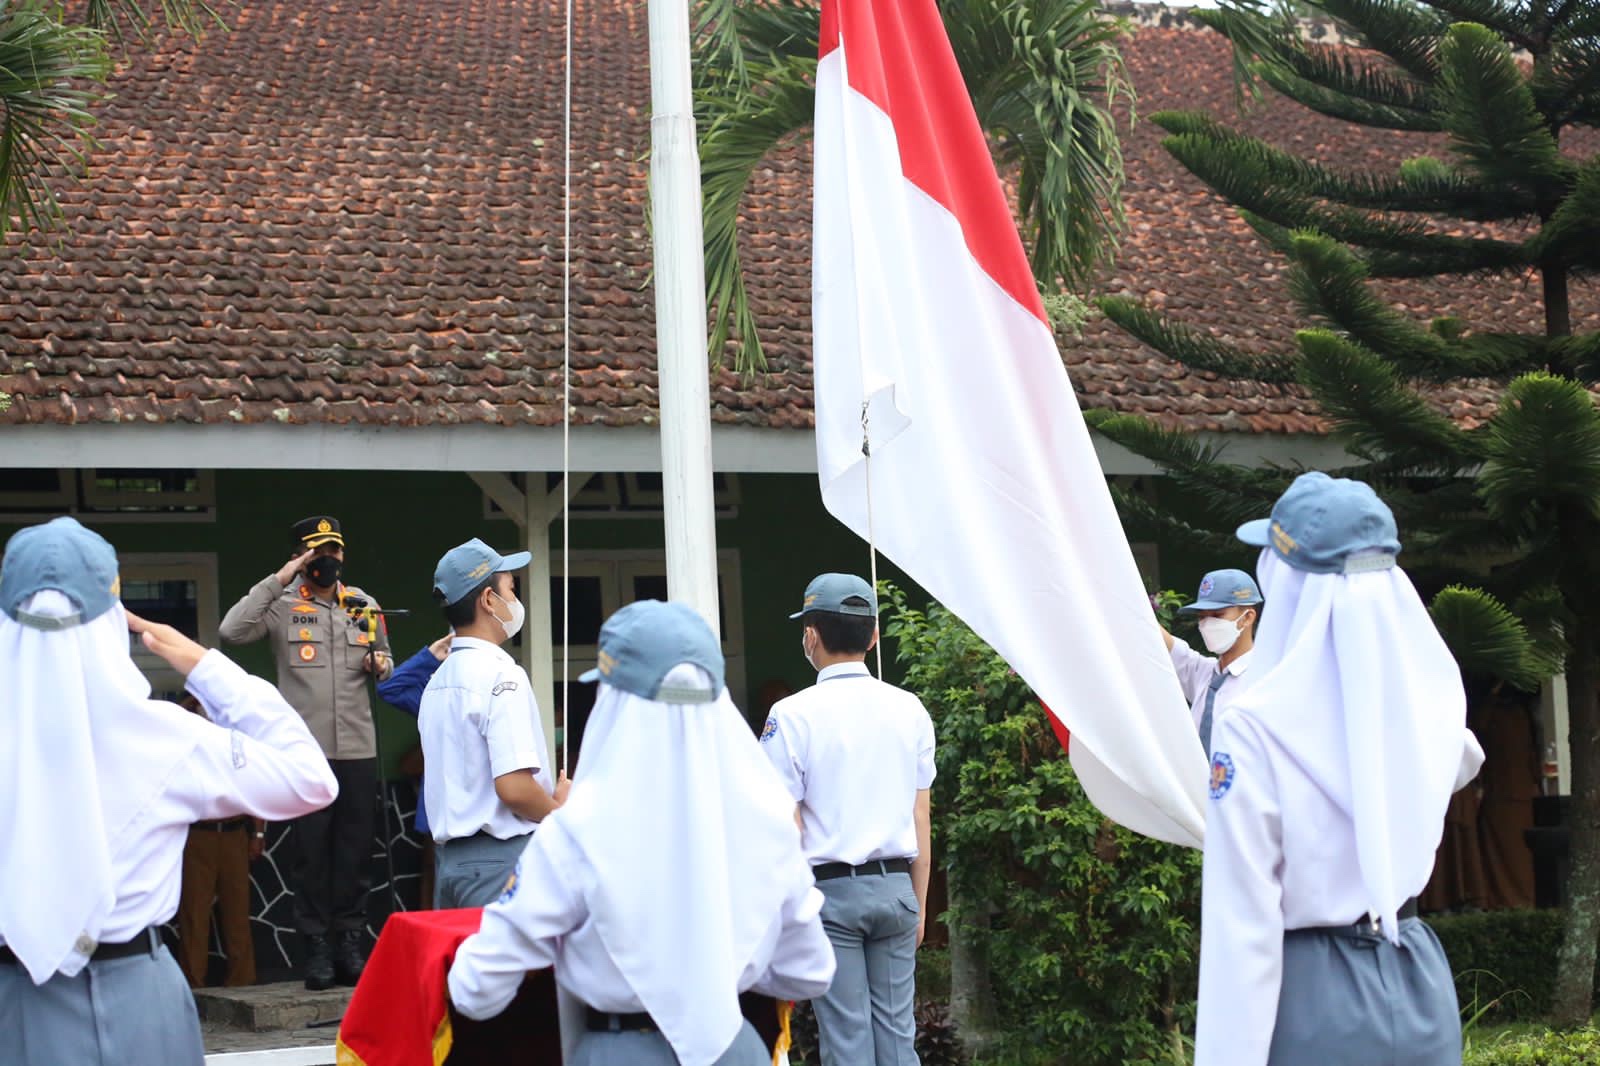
121 20
44 108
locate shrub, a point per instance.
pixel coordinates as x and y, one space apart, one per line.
1503 957
1091 931
1576 1048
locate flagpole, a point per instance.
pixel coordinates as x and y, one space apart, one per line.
679 249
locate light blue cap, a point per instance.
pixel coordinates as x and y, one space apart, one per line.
466 566
1325 525
1221 589
829 593
66 557
643 642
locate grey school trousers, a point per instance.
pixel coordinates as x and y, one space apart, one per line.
1354 999
652 1049
865 1018
135 1011
473 871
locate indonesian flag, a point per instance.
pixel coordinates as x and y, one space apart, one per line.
985 487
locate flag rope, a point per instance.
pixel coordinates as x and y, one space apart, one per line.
872 544
566 394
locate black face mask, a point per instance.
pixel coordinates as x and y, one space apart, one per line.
324 571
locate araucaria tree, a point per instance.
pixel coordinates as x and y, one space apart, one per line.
1503 191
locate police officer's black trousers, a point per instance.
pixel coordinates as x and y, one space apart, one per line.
334 852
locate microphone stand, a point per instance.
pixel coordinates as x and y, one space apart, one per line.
359 608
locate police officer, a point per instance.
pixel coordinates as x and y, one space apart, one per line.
672 879
324 655
102 783
1227 605
491 781
1330 777
857 757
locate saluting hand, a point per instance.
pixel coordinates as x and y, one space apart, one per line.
287 573
441 647
181 653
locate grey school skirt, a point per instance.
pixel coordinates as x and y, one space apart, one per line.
1352 998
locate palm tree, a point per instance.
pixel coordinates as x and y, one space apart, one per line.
1045 78
51 73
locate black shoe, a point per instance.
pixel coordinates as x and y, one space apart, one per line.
319 963
348 958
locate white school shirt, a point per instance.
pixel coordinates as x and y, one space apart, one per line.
543 920
853 752
1195 672
1266 873
478 720
260 760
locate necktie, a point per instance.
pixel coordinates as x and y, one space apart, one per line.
1211 705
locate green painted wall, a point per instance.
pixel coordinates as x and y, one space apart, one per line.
397 525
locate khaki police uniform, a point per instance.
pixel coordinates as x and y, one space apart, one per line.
321 652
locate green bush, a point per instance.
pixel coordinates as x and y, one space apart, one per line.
1091 931
1578 1048
1503 958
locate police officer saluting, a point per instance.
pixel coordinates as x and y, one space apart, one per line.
488 783
1329 782
857 757
102 784
324 656
1227 605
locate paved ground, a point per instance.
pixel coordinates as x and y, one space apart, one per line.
266 1017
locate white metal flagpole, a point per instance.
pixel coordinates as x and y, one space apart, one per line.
681 316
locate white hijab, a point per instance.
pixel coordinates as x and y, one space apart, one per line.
83 752
1354 682
694 847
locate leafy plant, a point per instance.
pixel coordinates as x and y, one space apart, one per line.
1090 932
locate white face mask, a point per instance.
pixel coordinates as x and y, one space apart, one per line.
519 615
1219 634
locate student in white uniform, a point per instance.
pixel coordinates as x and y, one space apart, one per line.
102 783
672 879
857 757
1228 605
1330 777
488 783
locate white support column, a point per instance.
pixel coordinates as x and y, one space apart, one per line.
1553 715
678 237
538 650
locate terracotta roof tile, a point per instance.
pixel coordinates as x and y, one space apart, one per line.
364 226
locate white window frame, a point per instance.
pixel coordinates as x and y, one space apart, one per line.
198 567
617 568
204 496
65 498
78 485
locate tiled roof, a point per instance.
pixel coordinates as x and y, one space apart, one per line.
352 213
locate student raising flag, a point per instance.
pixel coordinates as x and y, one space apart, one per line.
932 345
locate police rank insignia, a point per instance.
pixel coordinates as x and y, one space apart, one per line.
1221 774
769 730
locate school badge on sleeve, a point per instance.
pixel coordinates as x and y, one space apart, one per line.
1221 774
769 730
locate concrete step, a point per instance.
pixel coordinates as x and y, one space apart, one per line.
276 1007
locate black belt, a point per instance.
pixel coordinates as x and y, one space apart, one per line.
226 825
600 1021
1368 926
829 870
146 943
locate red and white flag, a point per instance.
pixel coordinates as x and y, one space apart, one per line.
985 487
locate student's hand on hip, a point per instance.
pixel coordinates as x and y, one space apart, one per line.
180 653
